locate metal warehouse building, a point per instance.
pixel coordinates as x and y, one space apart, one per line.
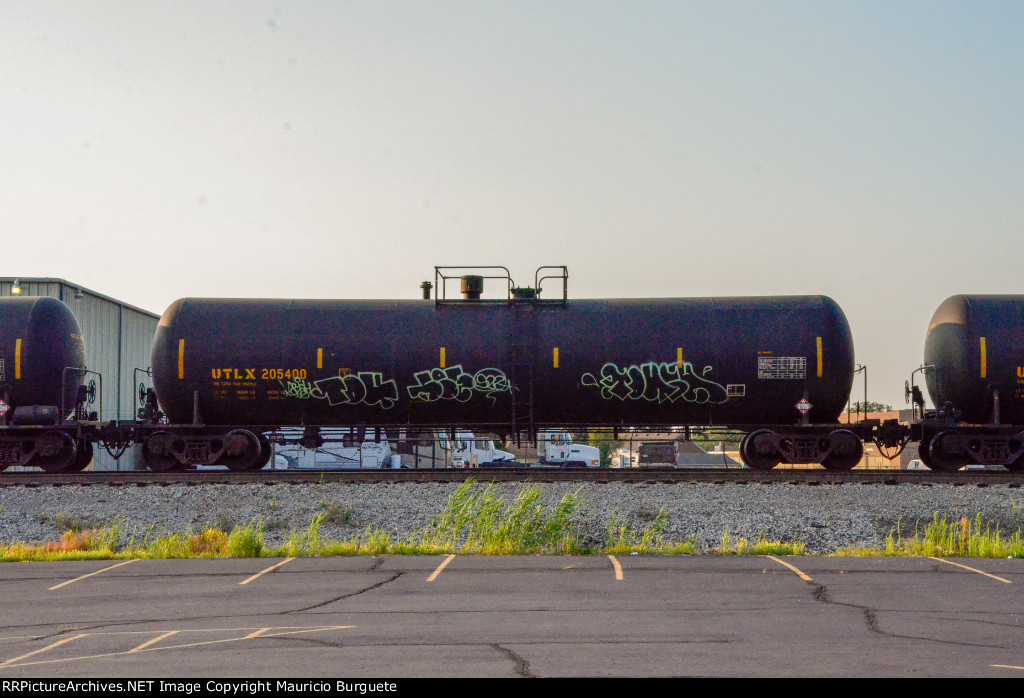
118 340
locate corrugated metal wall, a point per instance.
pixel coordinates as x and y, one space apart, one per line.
118 340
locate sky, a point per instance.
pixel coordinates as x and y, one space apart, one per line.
869 151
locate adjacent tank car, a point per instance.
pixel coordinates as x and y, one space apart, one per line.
226 370
974 369
42 356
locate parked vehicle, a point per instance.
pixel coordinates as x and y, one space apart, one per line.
555 447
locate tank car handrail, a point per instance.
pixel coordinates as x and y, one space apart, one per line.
440 282
564 276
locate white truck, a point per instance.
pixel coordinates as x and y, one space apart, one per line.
471 452
555 447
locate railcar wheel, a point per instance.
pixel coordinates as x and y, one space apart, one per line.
758 450
943 453
55 451
241 450
83 456
1016 465
265 453
925 454
157 453
847 450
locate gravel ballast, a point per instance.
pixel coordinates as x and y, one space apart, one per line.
823 517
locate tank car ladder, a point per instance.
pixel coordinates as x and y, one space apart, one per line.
522 370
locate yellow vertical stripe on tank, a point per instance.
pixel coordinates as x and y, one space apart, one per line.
818 342
320 358
679 357
554 358
17 359
442 358
181 359
984 359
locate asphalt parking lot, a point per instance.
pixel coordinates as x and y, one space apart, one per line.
402 616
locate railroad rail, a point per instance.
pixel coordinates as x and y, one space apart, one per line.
808 477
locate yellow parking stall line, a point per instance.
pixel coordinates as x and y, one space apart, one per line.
189 645
957 564
617 567
263 572
91 574
155 640
310 630
48 647
1006 666
791 568
440 567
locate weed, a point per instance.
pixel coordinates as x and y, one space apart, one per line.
210 543
761 546
225 522
378 542
481 523
308 542
244 542
338 513
962 538
621 539
64 521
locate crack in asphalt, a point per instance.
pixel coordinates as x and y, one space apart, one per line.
871 622
328 602
522 666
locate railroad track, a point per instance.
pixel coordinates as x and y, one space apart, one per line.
808 477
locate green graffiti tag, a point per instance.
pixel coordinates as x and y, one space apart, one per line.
656 382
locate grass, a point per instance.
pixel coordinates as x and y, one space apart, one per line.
621 539
476 520
338 513
63 521
943 538
761 546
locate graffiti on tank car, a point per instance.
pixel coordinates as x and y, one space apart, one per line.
656 382
300 389
491 382
362 388
454 383
442 384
